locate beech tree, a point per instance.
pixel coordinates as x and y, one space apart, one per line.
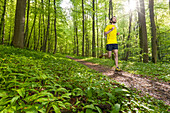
18 39
153 31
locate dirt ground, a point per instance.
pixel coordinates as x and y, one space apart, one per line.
158 90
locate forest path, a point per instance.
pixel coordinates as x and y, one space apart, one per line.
158 90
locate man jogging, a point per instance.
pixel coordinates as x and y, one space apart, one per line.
111 43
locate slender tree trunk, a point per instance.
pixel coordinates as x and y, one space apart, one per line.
153 31
39 33
35 36
83 27
18 39
9 37
35 39
77 39
93 31
47 34
140 31
110 9
44 37
28 41
26 31
101 52
55 47
2 24
48 28
144 31
86 37
129 35
74 48
97 30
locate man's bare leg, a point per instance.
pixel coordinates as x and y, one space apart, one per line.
109 54
116 56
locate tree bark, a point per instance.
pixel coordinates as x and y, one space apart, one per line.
130 23
93 31
48 28
83 27
55 31
26 31
2 24
153 31
77 38
39 33
47 33
18 39
144 31
28 41
74 48
97 31
110 9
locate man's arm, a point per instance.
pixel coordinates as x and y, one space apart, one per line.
105 33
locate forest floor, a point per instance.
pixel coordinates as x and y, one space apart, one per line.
158 90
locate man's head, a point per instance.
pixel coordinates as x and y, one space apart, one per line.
113 20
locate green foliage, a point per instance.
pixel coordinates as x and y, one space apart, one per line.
39 82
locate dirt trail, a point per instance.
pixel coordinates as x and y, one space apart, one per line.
156 89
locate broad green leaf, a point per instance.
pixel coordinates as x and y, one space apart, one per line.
91 106
89 92
60 103
90 111
56 109
116 108
3 93
77 92
13 101
61 90
119 90
21 92
98 109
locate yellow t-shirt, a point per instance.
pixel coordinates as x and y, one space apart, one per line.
111 37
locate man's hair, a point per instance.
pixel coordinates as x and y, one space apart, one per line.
111 20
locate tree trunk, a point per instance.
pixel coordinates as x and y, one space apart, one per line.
153 31
83 27
39 33
35 38
48 28
74 48
144 31
140 32
97 31
55 48
2 24
110 9
44 37
47 34
28 42
77 39
130 23
26 31
18 39
101 52
93 30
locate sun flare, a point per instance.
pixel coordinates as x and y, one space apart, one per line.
130 6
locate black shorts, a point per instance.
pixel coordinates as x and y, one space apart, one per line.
111 47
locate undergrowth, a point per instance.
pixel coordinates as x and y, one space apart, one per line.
37 82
